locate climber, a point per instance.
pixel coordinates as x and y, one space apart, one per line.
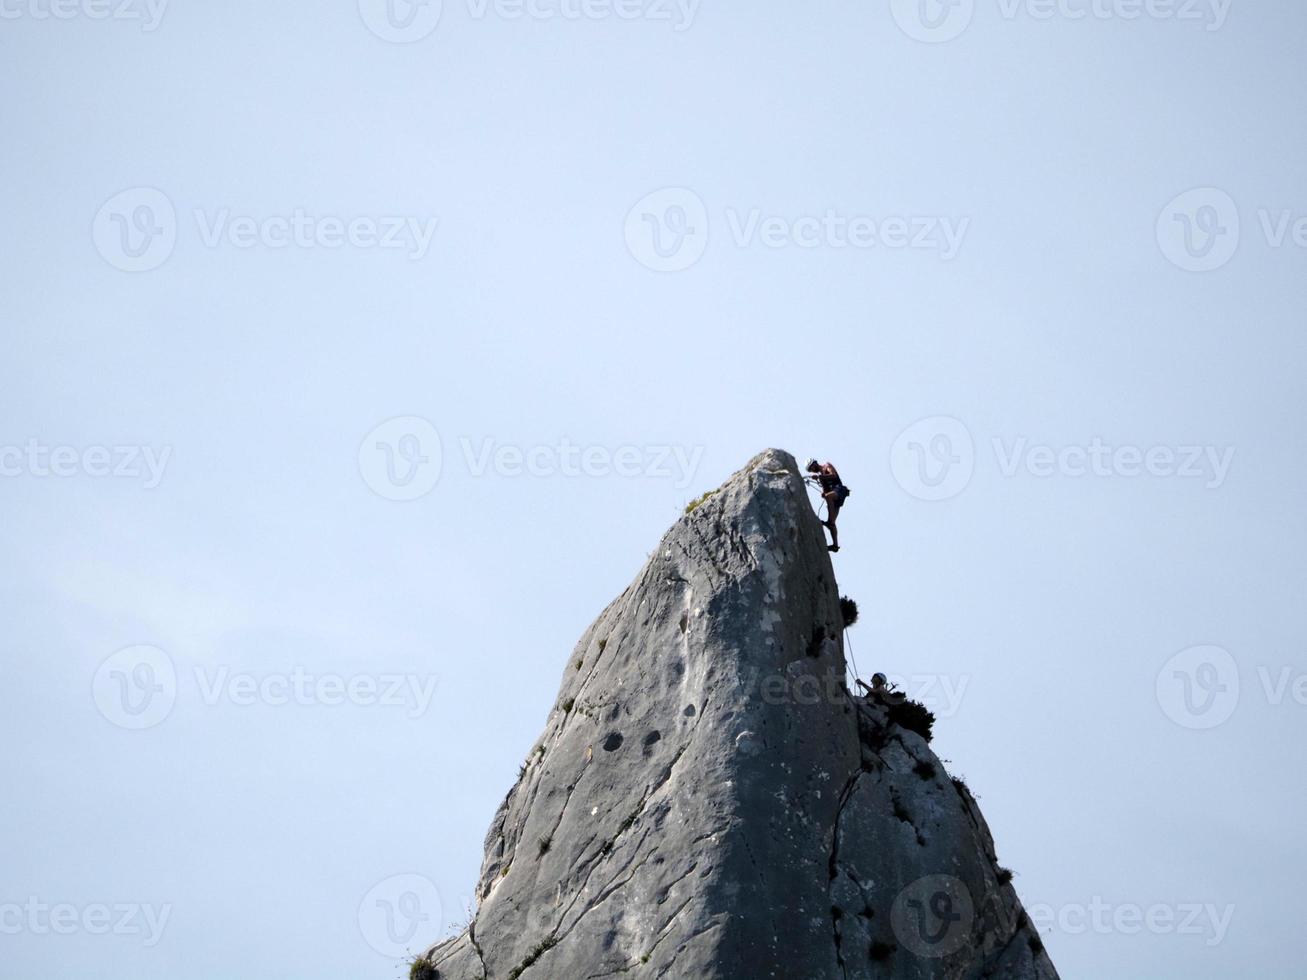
833 491
878 685
880 689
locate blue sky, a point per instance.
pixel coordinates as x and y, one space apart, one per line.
355 356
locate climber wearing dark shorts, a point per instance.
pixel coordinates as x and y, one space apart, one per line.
833 491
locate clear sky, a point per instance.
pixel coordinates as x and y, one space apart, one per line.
1031 274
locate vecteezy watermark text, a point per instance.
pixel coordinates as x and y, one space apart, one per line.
939 234
679 14
1211 14
243 689
1097 458
137 688
938 21
568 459
408 21
941 693
136 230
935 459
39 918
36 459
403 458
1130 919
669 230
299 229
148 12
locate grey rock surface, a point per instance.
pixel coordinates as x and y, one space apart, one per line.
708 801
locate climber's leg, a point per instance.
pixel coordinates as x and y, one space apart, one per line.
833 504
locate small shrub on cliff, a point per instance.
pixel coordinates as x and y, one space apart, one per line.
849 610
698 500
913 716
421 969
535 954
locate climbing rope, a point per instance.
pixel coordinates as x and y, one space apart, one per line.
853 660
848 644
821 506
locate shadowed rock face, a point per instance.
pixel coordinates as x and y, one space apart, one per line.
708 801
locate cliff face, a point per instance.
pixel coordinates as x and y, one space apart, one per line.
707 801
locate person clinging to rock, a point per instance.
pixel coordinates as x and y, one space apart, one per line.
833 491
878 685
880 689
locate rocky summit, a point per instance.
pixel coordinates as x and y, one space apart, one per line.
708 800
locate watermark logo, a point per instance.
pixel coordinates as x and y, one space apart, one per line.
1201 688
136 687
937 21
932 917
934 459
1198 688
397 911
667 231
1199 230
401 21
148 12
39 918
136 229
401 458
933 21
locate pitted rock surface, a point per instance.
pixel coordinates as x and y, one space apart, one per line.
708 800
